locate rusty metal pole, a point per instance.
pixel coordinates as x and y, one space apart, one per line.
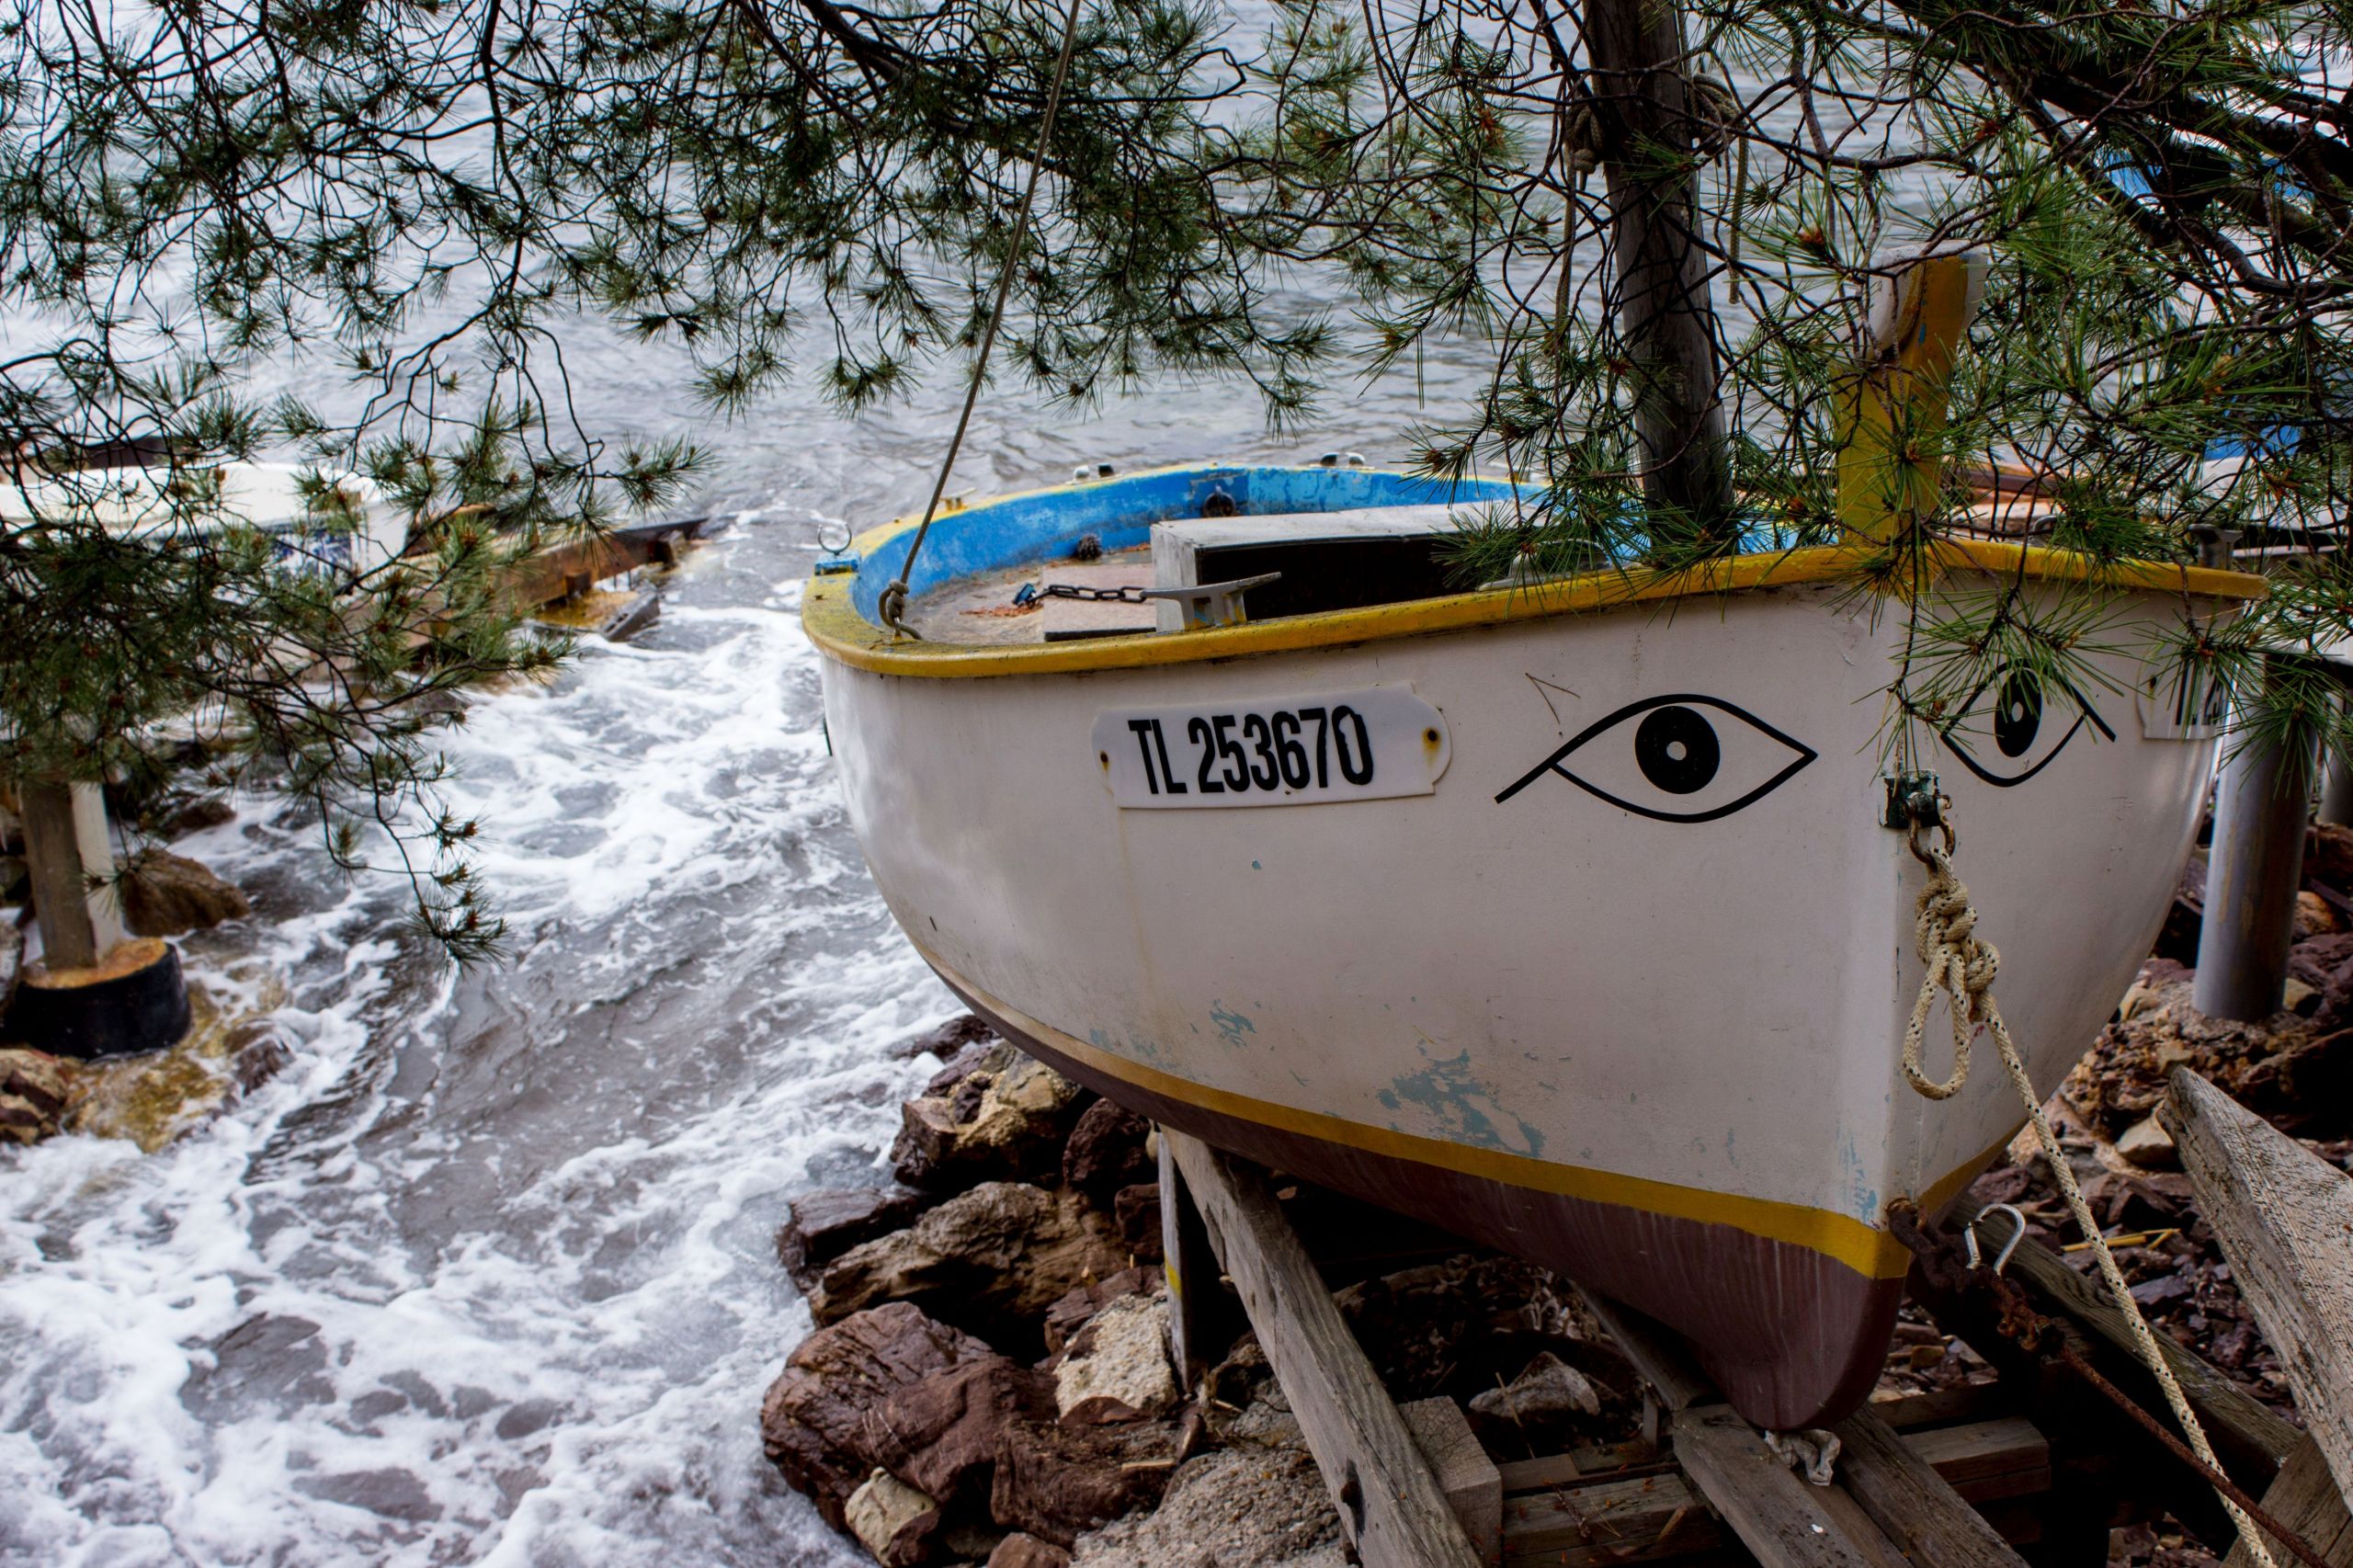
2258 862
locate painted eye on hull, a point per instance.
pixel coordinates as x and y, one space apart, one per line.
2015 724
1680 758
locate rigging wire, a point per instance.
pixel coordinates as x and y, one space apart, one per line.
894 597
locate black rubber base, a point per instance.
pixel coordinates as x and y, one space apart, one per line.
145 1010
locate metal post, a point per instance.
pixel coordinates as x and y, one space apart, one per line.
2256 864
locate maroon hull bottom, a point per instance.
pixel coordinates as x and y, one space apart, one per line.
1794 1338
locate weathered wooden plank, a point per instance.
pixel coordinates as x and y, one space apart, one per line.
1782 1519
2284 1217
1388 1502
1195 1302
1630 1520
1655 1352
1986 1461
1473 1486
1915 1506
2305 1499
2235 1419
1963 1401
1615 1461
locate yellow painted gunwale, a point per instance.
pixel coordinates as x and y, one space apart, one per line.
836 628
1865 1248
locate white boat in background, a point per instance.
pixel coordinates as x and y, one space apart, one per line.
345 529
1564 917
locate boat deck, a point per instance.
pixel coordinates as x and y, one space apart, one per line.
980 608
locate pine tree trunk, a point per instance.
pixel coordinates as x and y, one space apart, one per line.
1660 289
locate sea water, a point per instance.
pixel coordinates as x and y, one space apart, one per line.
485 1275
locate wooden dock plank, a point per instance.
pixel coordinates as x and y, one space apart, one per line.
2284 1217
1914 1504
1782 1519
1390 1504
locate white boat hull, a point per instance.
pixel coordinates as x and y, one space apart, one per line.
1647 1042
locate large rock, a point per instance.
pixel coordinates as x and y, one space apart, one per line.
815 1422
991 1260
1081 1302
965 1427
1136 1212
1105 1152
1022 1550
1005 1118
166 895
821 1226
1116 1367
35 1090
1233 1508
892 1520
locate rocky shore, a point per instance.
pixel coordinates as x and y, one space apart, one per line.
989 1382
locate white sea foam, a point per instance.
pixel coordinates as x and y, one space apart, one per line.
485 1275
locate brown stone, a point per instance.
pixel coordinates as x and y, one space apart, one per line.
815 1422
1136 1210
43 1081
1022 1550
1007 1119
166 895
991 1260
1071 1313
1106 1151
822 1226
940 1413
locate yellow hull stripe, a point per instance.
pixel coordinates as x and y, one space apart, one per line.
1864 1248
836 627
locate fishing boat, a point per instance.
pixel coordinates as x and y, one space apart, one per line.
1566 917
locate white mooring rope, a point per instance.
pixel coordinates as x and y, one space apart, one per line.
1961 966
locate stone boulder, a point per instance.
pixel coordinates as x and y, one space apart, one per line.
1105 1152
1081 1302
816 1423
966 1429
1117 1367
991 1260
1262 1507
1005 1118
166 895
822 1226
35 1090
1022 1550
892 1520
1136 1210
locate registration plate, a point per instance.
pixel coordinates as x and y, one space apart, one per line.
1283 751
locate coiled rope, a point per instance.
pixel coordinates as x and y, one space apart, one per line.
894 597
1961 967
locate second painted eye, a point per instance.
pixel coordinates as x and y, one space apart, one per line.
2029 717
1680 758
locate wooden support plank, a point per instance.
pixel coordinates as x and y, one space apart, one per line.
2284 1217
1915 1506
1633 1520
1781 1518
1986 1461
1473 1485
2243 1428
2305 1499
1655 1352
1190 1269
1389 1505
